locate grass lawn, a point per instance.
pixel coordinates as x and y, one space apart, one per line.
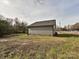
22 46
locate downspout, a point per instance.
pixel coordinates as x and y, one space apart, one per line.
52 30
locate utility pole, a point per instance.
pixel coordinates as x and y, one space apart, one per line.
60 24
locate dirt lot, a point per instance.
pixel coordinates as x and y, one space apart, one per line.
40 47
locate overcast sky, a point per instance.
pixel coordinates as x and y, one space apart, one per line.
64 11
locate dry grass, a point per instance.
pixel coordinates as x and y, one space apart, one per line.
40 47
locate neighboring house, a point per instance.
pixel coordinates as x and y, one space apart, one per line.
47 27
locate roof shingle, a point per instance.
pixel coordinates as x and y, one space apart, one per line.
44 23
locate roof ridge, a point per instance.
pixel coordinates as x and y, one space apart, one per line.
46 20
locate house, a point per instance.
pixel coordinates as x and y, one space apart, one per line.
47 27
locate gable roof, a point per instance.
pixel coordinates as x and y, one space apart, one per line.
43 23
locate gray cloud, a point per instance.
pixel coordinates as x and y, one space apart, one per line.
34 10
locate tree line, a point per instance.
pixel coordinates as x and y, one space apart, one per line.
74 27
12 26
